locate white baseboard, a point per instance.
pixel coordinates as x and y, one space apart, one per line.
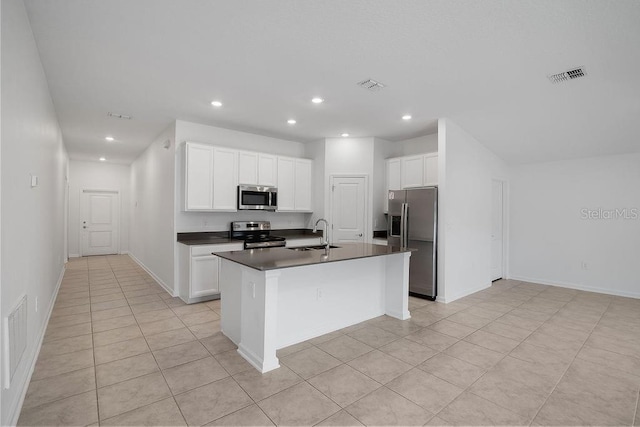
156 278
568 285
74 255
463 294
16 409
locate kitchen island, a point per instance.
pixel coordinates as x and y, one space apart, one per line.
276 297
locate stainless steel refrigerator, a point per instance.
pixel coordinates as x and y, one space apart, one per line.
413 223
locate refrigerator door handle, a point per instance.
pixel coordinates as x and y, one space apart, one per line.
403 226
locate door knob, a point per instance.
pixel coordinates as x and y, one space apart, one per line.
360 235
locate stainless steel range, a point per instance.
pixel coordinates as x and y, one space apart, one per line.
256 234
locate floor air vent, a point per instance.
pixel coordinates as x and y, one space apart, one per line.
15 343
572 74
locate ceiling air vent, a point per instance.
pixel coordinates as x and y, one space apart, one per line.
119 116
371 85
574 73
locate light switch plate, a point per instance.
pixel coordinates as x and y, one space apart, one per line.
34 181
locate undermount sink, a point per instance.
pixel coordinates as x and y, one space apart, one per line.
312 248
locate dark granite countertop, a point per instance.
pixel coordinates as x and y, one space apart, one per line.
222 237
276 258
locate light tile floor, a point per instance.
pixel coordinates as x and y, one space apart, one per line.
120 351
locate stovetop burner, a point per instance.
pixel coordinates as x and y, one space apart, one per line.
256 234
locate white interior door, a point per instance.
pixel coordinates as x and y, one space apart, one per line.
99 225
496 231
348 209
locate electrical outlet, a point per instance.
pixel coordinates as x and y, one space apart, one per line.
583 265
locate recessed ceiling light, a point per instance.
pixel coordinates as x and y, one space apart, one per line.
406 117
216 103
102 159
109 138
344 135
291 121
317 100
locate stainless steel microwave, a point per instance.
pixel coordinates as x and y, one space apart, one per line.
251 197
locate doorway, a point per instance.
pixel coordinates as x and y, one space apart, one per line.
497 224
99 222
348 208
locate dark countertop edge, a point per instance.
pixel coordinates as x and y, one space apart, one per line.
222 237
225 255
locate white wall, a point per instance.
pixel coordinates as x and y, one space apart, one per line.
549 237
350 156
382 150
466 171
98 176
316 151
418 145
152 231
32 219
219 221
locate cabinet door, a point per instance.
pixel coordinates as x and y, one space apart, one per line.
393 181
412 171
286 192
302 197
247 168
267 170
204 276
225 179
430 170
198 177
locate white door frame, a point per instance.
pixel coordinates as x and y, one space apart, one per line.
505 228
117 217
368 233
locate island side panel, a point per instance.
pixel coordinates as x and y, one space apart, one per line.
230 294
397 285
317 299
249 301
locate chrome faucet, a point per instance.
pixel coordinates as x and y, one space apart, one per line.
325 242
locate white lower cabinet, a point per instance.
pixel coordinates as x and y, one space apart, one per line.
198 271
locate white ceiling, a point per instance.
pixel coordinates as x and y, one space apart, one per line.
484 64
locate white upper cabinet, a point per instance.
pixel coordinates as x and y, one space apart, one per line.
247 168
267 170
302 193
394 179
257 169
409 172
225 179
198 177
431 169
286 187
294 184
212 175
412 171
